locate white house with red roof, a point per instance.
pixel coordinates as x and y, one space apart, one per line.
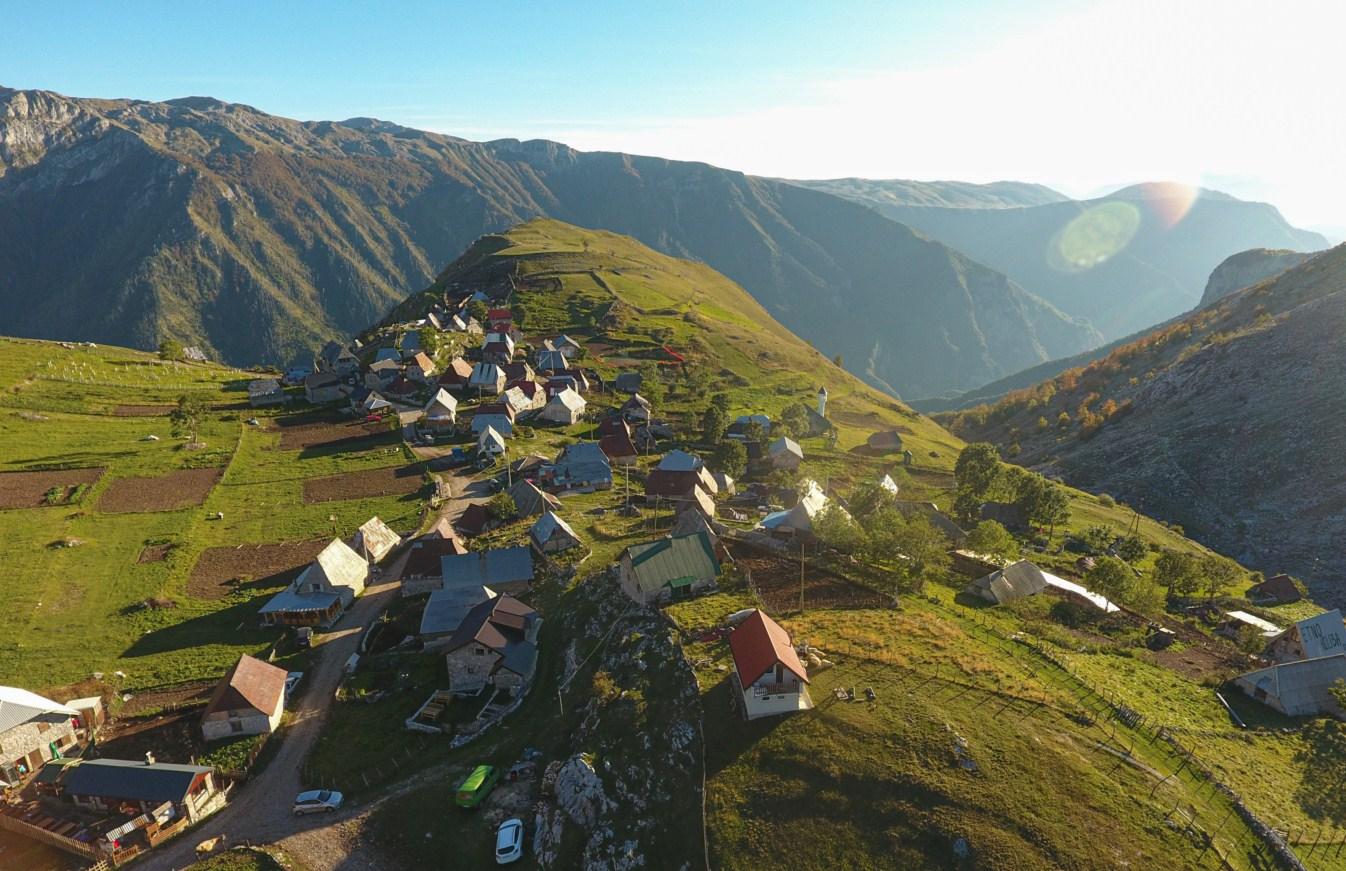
767 670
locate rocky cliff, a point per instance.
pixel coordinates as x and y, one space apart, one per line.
1246 268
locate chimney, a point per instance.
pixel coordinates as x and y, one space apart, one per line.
149 758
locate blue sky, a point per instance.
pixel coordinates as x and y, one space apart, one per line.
1080 96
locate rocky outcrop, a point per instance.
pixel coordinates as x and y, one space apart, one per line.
630 789
1246 269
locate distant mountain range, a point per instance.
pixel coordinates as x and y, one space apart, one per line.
1123 262
258 237
1230 421
892 193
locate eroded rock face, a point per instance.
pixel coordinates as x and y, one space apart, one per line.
633 776
1246 269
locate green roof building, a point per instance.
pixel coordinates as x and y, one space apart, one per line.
674 567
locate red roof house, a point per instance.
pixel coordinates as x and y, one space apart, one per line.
767 670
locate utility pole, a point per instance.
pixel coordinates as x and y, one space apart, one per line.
801 576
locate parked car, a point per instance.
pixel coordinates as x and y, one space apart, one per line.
316 801
304 636
477 786
292 680
509 842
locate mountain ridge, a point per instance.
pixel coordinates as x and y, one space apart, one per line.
259 237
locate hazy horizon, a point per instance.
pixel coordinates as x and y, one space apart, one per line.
1082 99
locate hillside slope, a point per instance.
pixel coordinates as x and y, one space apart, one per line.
1228 421
1245 269
1124 262
881 193
258 237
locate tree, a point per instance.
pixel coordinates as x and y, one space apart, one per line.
794 420
754 432
713 424
1178 572
839 361
651 382
1218 572
1132 549
882 528
926 552
966 508
170 349
1052 508
1097 538
430 340
869 497
992 539
502 506
1111 577
978 469
730 457
186 417
477 309
721 401
836 529
1338 691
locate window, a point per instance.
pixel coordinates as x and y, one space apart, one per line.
235 726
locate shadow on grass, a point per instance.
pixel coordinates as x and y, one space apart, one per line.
1322 792
236 624
728 735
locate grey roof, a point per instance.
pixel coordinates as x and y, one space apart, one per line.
530 500
135 781
1297 688
547 359
1014 581
679 461
501 624
627 382
584 461
490 567
287 601
18 706
447 608
546 527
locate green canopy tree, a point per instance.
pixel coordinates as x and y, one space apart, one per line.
170 349
1177 572
977 470
730 457
714 421
992 539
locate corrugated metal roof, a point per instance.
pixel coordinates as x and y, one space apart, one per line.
447 608
19 706
251 683
656 563
758 643
134 781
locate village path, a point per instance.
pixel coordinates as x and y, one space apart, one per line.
259 812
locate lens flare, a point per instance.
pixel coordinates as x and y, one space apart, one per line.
1094 236
1168 201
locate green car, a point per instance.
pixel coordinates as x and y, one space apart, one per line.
477 786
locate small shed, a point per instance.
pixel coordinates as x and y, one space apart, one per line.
551 534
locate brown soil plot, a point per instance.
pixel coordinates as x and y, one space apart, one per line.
311 431
154 553
184 488
29 489
142 410
263 564
369 483
777 582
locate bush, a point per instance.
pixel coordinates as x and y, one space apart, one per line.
1106 501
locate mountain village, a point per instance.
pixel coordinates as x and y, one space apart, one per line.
521 435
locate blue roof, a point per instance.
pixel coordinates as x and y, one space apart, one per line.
499 566
131 780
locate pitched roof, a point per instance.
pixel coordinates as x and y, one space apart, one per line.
375 538
617 446
548 525
457 372
551 360
1300 687
442 404
636 402
503 565
442 528
757 644
568 399
1322 635
784 445
1268 630
474 519
19 706
341 566
251 683
530 500
490 437
134 781
1014 581
425 556
500 624
659 562
679 461
584 460
486 374
1280 588
423 361
448 607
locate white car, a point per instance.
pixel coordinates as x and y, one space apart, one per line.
509 842
316 801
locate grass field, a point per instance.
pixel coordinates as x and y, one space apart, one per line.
72 611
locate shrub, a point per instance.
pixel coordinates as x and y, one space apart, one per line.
1106 501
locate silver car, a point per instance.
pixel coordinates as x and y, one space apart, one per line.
316 801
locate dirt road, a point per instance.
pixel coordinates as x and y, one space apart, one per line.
259 810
